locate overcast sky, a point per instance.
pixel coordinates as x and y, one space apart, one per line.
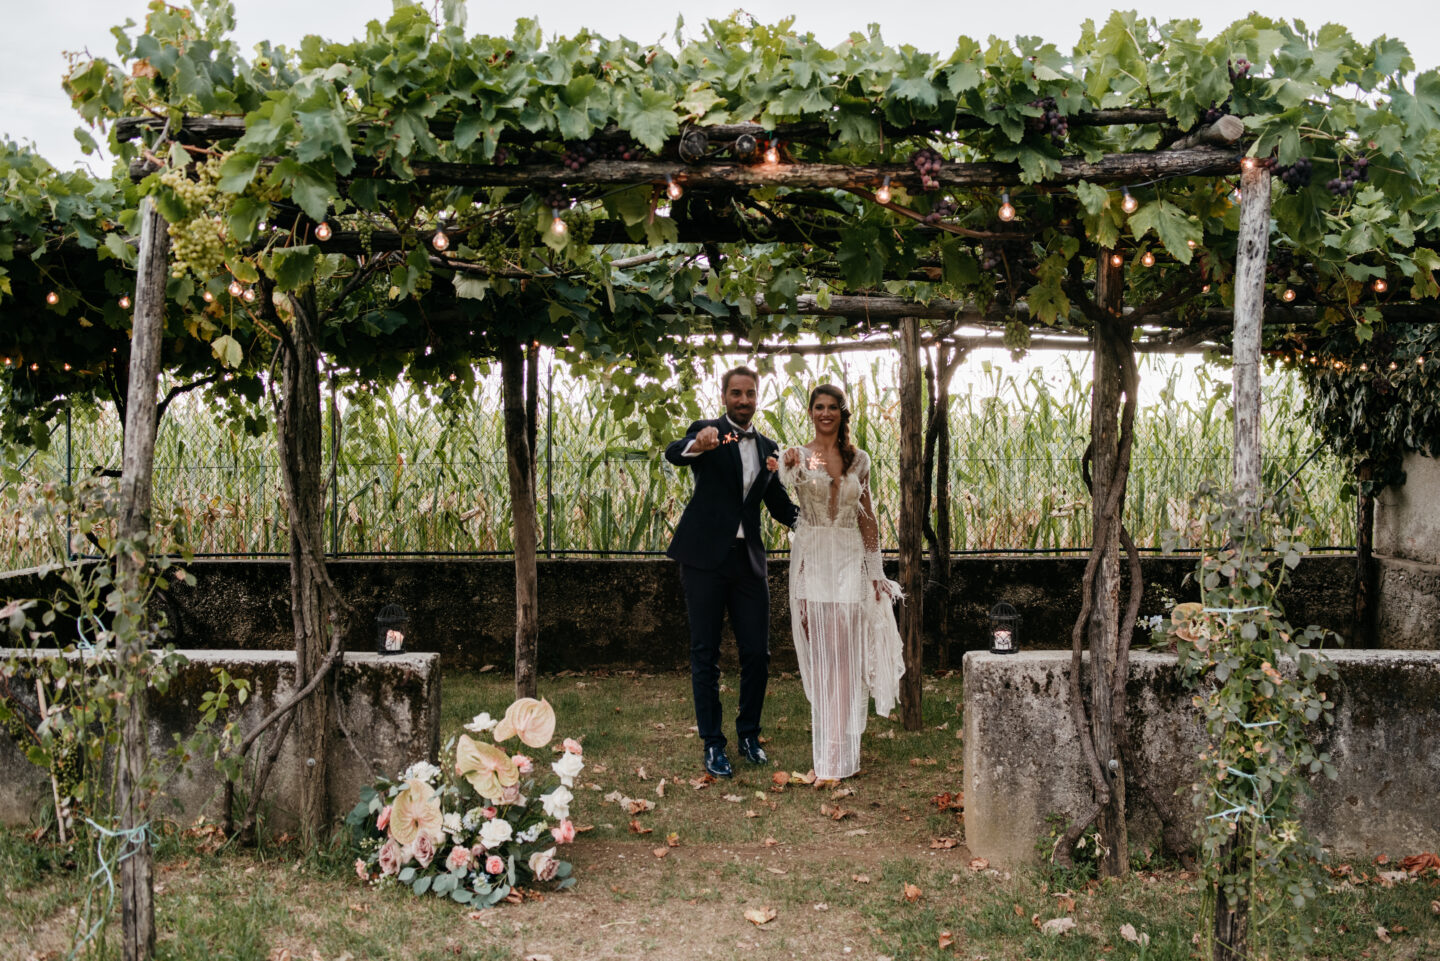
36 33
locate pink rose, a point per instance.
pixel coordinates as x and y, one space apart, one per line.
383 821
564 833
523 764
494 865
391 857
573 746
510 795
459 858
490 812
424 850
543 865
360 869
477 850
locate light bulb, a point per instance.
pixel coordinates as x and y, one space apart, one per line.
672 189
1393 365
1288 296
1191 244
125 301
1129 204
66 366
235 289
440 241
1420 361
322 231
208 297
882 194
1007 210
1364 366
772 152
1379 285
1247 163
1117 260
557 223
1235 196
34 366
249 295
1148 259
52 298
1205 289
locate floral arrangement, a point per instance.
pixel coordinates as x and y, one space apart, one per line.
477 827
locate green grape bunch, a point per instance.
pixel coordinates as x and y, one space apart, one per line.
197 243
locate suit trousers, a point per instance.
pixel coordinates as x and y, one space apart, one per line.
733 587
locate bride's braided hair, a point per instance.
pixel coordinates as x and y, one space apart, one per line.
842 438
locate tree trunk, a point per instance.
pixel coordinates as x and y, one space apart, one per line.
520 459
311 605
137 891
1363 633
911 519
1232 921
937 489
1111 338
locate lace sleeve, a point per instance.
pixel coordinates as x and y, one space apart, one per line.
872 564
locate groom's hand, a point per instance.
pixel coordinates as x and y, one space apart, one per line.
707 439
792 457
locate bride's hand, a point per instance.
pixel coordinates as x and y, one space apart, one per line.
792 457
771 464
876 585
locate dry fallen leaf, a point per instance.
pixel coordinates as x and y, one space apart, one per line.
640 773
1435 907
638 805
771 842
1127 931
734 798
759 916
836 813
843 792
1067 904
1058 926
856 832
947 940
979 864
701 783
780 778
1019 911
751 813
660 788
672 839
1420 863
943 844
774 870
637 828
865 879
1382 859
807 778
912 893
1381 933
660 852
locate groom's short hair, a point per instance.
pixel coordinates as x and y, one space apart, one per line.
741 371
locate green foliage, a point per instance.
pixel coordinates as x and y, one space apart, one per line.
1259 685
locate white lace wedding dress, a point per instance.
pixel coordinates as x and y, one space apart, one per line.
846 640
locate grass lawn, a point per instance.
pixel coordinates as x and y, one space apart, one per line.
873 869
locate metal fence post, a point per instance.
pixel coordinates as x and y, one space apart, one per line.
549 462
69 482
334 473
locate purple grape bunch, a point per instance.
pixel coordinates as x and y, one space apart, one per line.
1296 176
1358 170
1215 111
941 209
1051 121
578 155
927 162
1240 68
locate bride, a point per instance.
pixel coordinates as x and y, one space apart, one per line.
840 600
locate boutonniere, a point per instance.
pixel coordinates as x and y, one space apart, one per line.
730 438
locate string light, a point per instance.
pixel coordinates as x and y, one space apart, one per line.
1379 285
557 223
772 152
1364 366
440 241
208 297
1248 163
1117 260
249 295
322 231
67 366
1129 204
1007 209
125 301
52 298
882 195
1191 244
1205 289
672 189
34 366
1288 296
235 289
1420 361
1148 259
1393 365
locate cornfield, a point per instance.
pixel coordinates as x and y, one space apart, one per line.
416 477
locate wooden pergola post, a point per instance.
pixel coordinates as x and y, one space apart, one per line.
911 523
137 891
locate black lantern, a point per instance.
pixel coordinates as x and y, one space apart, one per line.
1004 629
390 629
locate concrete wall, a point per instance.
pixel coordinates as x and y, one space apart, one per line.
1022 756
1407 559
390 705
631 612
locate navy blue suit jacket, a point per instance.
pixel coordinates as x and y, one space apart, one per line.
719 505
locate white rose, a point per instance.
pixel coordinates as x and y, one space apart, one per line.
481 723
421 770
557 803
495 832
568 767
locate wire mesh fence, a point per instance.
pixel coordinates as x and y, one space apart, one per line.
412 476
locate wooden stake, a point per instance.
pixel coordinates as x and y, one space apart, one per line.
1253 244
911 522
54 781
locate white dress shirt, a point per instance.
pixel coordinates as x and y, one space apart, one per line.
749 461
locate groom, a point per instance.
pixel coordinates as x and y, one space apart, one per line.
722 560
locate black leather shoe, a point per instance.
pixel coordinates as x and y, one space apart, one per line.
716 763
752 751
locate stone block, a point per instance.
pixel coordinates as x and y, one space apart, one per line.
1407 605
390 705
1407 525
1023 762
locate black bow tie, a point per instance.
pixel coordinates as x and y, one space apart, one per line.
744 435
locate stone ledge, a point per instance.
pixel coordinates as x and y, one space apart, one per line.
1407 604
1022 759
389 704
